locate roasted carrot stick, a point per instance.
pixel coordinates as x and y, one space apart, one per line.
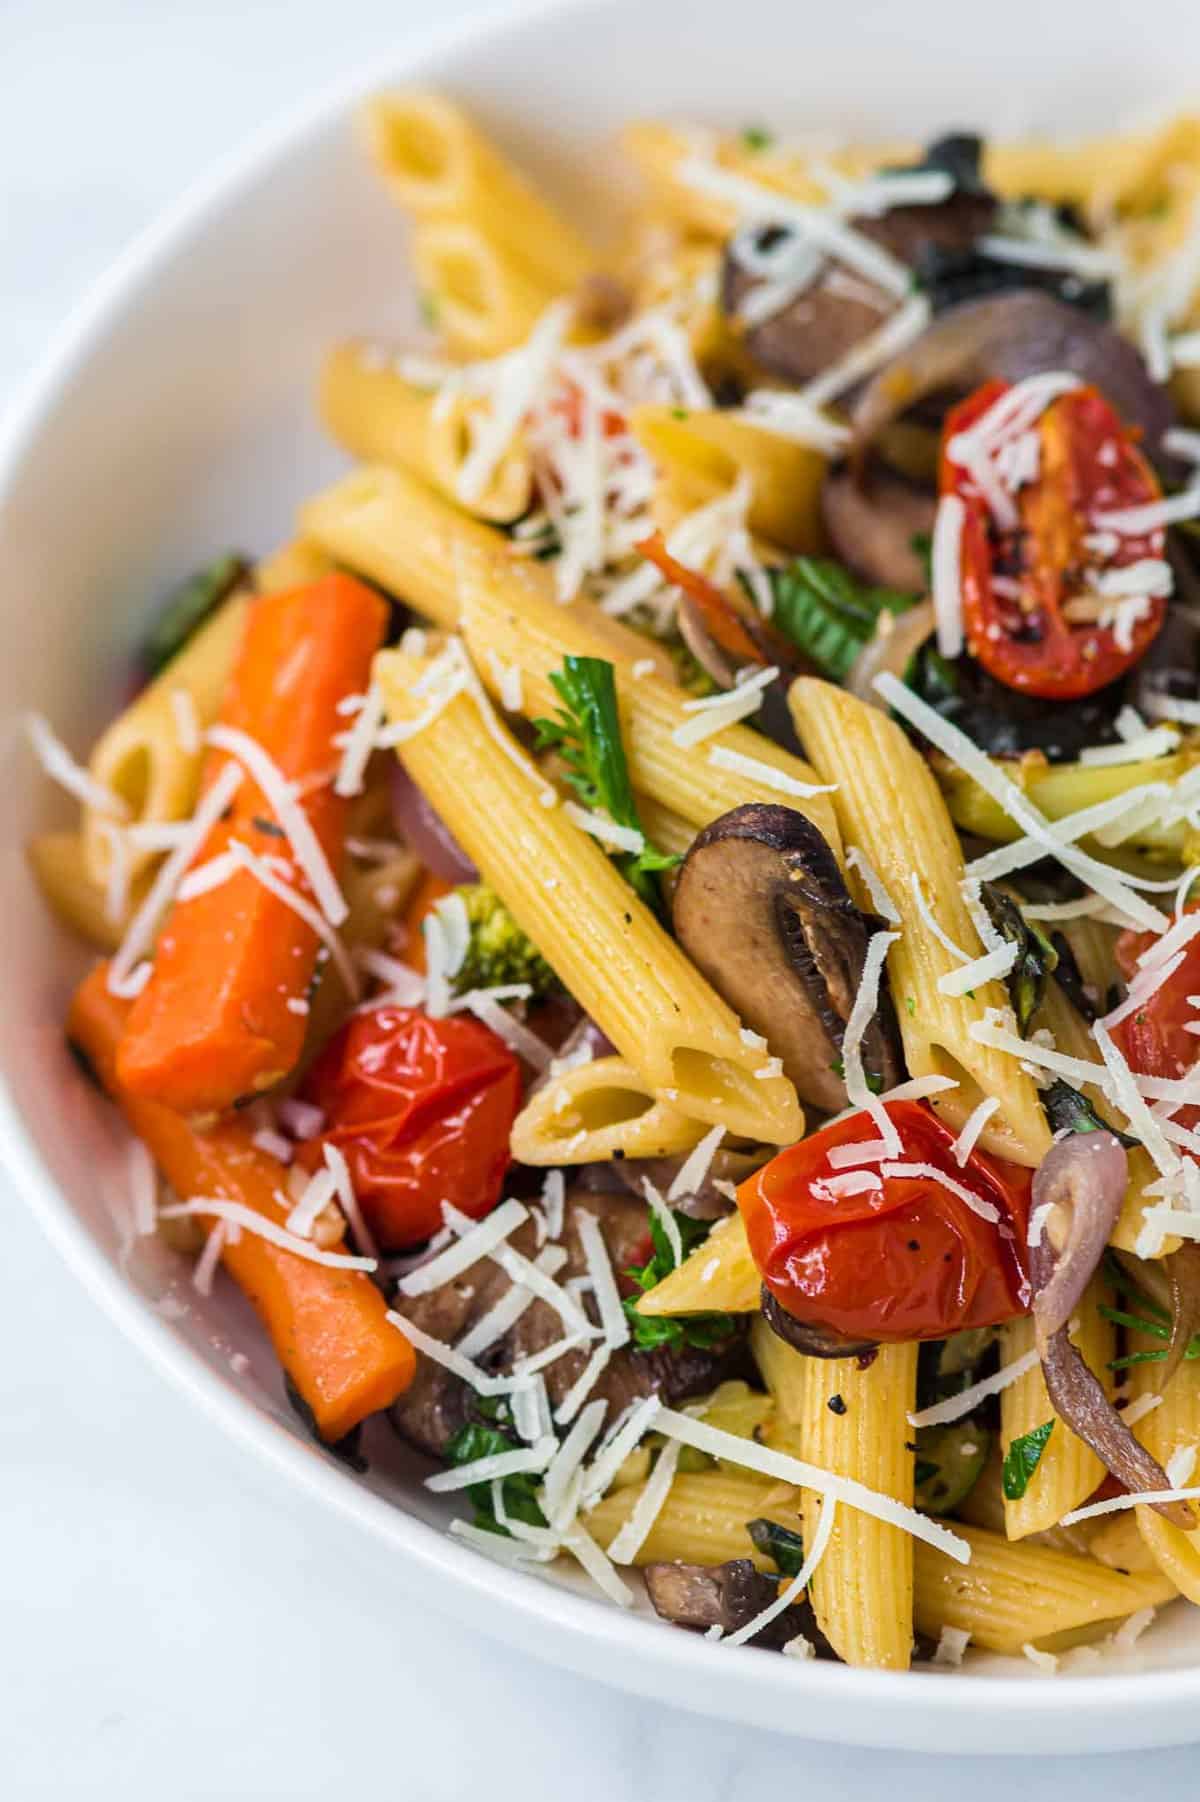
222 1014
328 1326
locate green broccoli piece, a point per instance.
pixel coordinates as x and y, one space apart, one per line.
499 951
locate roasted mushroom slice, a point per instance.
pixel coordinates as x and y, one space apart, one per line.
761 908
729 1596
874 520
813 1341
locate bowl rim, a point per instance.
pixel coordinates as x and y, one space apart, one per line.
548 1619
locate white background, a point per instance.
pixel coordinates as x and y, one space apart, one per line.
173 1625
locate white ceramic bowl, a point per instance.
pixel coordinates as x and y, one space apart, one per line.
174 416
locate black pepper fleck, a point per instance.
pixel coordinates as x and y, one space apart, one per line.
836 1405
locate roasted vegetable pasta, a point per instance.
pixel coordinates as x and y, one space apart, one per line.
655 940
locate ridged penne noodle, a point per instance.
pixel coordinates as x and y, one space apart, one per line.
483 300
704 1518
1091 943
386 525
438 164
142 758
1010 1596
602 942
366 404
1068 1470
703 453
1073 1037
58 862
1060 789
293 565
889 806
862 1590
1096 173
599 1110
664 827
661 153
509 618
1170 1427
719 1276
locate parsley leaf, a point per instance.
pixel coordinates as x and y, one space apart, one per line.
519 1492
587 736
825 611
756 137
649 1331
1022 1459
778 1543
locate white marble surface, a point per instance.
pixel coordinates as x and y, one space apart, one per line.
171 1625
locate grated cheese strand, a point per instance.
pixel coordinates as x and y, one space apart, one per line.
280 797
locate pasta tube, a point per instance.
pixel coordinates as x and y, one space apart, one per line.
598 1111
703 453
1171 1427
1010 1596
510 620
862 1590
704 1518
485 302
563 891
58 862
720 1277
144 757
367 405
1068 1470
1058 790
889 807
439 165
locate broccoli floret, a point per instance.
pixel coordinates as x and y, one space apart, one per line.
499 951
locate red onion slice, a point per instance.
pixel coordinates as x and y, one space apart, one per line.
425 832
1083 1180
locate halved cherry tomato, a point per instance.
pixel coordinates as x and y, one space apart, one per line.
1155 1039
1031 611
421 1109
902 1259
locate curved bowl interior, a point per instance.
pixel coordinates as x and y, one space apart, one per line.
176 417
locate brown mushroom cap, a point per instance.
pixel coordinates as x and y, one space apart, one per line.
761 908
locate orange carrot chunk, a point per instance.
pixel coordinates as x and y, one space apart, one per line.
222 1015
329 1327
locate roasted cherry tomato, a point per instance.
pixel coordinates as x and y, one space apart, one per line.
1155 1040
868 1255
421 1109
1032 611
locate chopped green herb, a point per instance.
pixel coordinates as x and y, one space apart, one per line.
921 545
587 735
679 412
910 1005
1022 1459
700 1330
756 137
518 1493
1036 956
828 613
428 307
779 1543
874 1083
1066 1107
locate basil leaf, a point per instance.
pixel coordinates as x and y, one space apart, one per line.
587 736
518 1493
778 1543
1066 1107
827 612
1036 956
1022 1459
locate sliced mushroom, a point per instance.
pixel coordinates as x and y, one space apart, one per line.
840 308
873 520
729 1596
761 908
1009 338
711 1199
813 1341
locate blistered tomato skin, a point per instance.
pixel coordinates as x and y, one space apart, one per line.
1032 610
422 1110
903 1259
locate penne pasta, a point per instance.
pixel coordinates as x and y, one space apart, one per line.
599 1110
702 454
704 1518
1068 1470
1059 790
510 619
1173 1427
719 1276
81 903
484 301
143 757
862 1590
439 165
379 417
291 566
604 944
889 807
